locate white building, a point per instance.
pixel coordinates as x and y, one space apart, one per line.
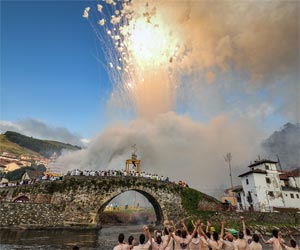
264 188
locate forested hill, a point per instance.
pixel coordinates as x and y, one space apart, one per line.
42 147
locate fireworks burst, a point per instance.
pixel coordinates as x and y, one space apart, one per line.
140 50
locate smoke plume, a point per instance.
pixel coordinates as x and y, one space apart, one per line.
173 146
286 145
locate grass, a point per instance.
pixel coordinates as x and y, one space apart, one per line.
8 146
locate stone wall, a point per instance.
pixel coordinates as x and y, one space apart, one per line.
30 215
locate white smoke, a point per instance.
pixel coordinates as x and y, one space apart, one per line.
173 146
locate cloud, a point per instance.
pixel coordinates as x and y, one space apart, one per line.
39 129
173 146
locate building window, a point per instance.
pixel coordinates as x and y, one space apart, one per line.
268 180
292 196
297 195
267 167
249 198
247 182
271 194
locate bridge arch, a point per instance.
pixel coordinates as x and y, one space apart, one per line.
153 201
22 198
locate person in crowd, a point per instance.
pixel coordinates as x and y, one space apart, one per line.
241 242
157 243
131 242
196 241
226 238
122 245
292 241
144 245
185 241
246 231
255 245
167 232
275 241
203 241
177 232
213 242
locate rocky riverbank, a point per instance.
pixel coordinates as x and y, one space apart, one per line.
126 218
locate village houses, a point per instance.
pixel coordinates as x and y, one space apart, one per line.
266 188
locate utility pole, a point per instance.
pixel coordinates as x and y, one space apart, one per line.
279 163
228 158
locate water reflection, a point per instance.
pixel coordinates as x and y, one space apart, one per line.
65 239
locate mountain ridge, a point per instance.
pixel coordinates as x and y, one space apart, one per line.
19 144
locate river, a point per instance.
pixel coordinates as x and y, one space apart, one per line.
104 239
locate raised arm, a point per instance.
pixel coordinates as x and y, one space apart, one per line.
290 234
207 226
193 223
244 225
200 230
174 226
280 238
198 223
165 244
154 235
262 238
184 226
222 229
148 234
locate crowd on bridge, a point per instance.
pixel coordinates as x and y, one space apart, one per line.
122 172
100 173
204 237
41 178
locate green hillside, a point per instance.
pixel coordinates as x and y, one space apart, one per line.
13 141
11 147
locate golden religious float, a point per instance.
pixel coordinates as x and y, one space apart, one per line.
134 162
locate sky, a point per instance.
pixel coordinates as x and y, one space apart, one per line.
49 67
192 84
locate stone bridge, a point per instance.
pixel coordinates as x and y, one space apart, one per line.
80 200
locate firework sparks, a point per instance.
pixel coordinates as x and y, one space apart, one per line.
139 48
